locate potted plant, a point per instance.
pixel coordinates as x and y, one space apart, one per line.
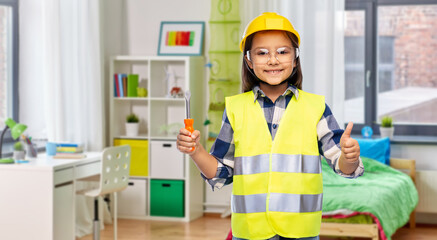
132 123
386 129
19 152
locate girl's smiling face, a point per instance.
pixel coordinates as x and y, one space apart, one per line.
273 71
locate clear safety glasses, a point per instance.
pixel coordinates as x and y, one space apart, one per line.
263 56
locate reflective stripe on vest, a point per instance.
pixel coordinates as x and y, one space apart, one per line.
277 185
279 202
280 163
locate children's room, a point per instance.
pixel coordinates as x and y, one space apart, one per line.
133 119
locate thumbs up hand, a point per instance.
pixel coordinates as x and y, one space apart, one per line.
350 149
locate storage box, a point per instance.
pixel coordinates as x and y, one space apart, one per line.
132 201
166 160
225 36
139 165
225 10
167 198
218 90
225 65
216 118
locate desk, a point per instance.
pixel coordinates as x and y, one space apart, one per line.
37 199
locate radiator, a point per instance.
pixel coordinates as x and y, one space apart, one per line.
426 183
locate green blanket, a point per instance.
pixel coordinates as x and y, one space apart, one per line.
385 192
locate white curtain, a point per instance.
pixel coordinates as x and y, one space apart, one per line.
320 26
61 78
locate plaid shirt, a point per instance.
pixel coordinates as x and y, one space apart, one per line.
328 132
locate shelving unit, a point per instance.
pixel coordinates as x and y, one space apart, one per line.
157 167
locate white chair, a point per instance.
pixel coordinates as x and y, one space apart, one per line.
114 177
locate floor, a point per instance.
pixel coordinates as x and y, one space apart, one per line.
216 228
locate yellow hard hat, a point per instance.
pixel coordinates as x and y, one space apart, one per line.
268 21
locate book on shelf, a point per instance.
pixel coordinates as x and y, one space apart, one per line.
120 84
124 78
69 156
125 85
132 84
116 88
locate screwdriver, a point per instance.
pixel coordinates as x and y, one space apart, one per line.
188 121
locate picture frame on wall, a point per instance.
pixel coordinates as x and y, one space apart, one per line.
181 38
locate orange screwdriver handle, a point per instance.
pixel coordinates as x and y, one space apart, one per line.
189 126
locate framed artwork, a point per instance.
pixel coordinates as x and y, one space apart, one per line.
181 38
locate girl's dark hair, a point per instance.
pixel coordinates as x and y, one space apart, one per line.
248 78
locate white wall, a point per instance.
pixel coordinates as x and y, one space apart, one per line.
144 17
423 154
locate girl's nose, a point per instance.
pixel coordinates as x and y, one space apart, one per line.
273 60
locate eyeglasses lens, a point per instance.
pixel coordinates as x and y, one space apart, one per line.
263 56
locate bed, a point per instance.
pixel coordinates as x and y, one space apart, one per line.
374 205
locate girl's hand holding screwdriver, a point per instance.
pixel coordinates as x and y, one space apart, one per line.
186 141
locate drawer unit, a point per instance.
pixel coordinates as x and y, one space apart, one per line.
132 201
63 176
139 165
167 198
166 160
88 169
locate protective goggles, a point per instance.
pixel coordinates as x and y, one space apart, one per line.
263 56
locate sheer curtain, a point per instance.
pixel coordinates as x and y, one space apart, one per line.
61 79
320 26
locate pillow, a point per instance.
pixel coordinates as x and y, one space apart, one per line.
378 149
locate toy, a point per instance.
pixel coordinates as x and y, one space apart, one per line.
141 92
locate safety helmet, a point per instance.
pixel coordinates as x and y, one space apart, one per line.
268 21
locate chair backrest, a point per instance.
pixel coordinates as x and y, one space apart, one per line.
115 169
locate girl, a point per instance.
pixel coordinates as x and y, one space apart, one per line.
271 140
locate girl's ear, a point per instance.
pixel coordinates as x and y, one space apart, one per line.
248 62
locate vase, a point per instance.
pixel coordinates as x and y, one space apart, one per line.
19 155
132 129
387 132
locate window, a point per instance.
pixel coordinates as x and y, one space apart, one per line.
8 60
389 68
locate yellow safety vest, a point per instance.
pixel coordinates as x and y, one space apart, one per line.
277 184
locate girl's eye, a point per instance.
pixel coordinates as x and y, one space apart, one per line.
262 52
282 51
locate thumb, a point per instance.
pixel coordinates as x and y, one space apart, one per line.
347 132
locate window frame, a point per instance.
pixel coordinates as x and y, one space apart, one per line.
15 61
370 8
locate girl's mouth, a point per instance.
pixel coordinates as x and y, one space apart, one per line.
274 71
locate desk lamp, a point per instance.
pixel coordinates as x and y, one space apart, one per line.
16 130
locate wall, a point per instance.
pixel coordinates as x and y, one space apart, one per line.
143 20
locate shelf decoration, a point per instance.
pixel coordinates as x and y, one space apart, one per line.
224 61
174 90
132 125
181 38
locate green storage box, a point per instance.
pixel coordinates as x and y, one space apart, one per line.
226 66
218 90
225 36
225 10
216 123
167 198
